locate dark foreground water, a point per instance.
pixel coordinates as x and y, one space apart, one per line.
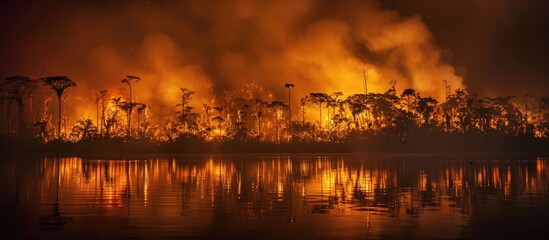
275 197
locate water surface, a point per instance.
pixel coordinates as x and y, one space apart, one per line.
275 197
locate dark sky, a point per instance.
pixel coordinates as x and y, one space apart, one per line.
498 47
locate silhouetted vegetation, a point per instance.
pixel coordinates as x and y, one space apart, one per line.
386 121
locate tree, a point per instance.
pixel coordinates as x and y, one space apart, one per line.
59 84
207 109
277 108
303 101
505 114
140 108
319 98
357 105
219 118
128 108
18 88
186 95
100 98
259 115
426 108
525 104
84 130
409 96
333 102
289 86
130 81
114 119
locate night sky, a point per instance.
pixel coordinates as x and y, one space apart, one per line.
490 47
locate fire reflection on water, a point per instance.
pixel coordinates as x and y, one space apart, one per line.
255 187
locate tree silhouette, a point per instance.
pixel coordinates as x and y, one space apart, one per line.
505 115
426 108
18 88
277 108
319 98
525 104
333 101
59 84
207 110
84 130
303 101
186 95
128 108
259 115
130 81
116 101
357 105
140 108
289 86
409 96
219 118
100 98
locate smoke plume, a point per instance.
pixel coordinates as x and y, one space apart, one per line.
214 46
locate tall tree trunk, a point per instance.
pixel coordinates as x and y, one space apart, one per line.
102 116
289 116
59 121
130 114
259 128
97 114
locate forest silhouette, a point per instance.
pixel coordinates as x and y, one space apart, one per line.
368 122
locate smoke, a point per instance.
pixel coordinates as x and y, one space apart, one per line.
216 46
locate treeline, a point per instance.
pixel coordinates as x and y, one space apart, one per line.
387 120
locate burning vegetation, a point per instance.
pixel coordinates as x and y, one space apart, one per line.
279 72
252 118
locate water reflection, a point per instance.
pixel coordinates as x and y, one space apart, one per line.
345 196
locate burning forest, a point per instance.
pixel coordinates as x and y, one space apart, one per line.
262 72
252 116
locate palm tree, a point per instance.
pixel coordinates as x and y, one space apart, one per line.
59 84
289 86
130 81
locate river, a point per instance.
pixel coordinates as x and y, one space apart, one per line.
377 196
